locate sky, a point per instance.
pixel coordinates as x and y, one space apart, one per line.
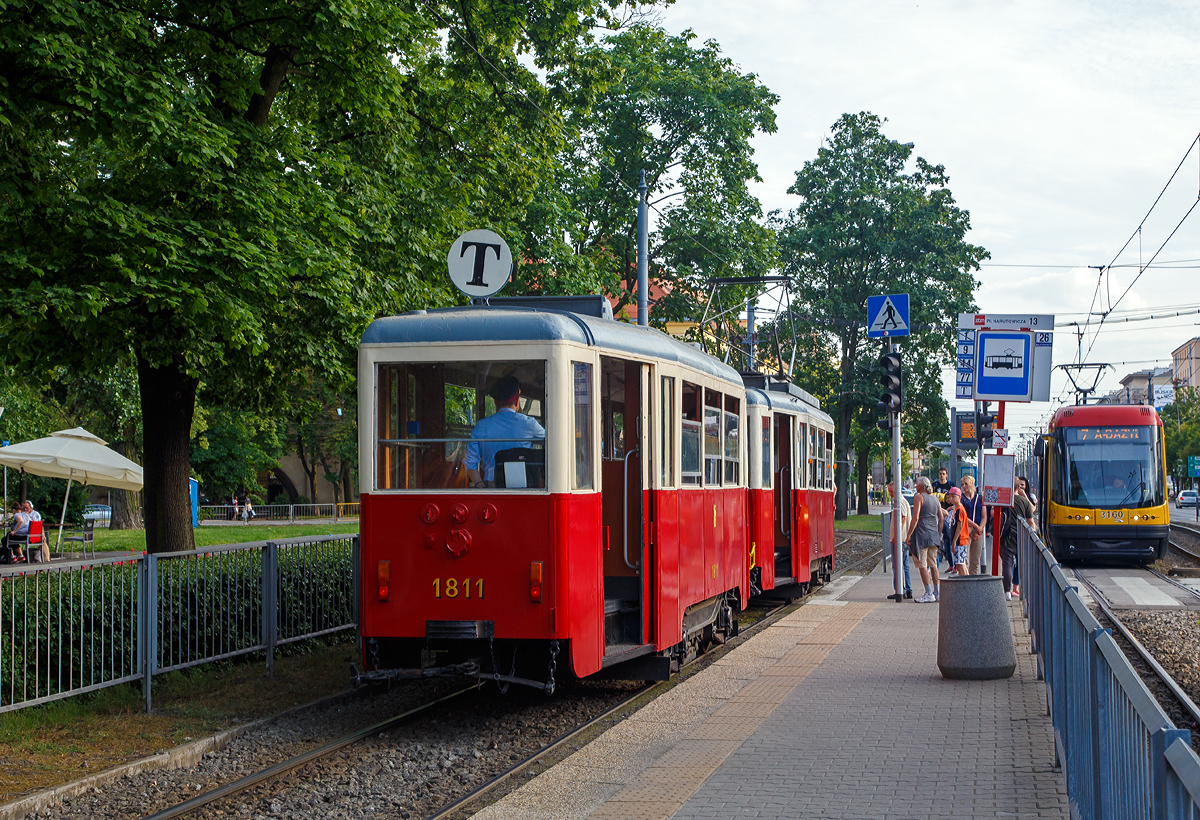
1058 122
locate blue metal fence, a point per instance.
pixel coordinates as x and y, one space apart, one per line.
76 627
1121 756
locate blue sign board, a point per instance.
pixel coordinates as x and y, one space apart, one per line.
1003 366
887 315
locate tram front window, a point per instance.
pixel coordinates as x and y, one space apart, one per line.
1110 467
461 425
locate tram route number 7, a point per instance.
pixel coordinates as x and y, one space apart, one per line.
452 588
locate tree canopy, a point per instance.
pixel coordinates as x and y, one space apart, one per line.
231 191
866 226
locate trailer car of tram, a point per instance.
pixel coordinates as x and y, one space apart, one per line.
618 545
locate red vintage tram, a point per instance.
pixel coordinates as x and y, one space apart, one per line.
620 543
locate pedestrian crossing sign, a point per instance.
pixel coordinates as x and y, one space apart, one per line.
887 315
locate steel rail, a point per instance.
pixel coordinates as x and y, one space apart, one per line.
284 766
1162 674
767 620
1192 531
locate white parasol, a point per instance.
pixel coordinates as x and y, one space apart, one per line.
75 455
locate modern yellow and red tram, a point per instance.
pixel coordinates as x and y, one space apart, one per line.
662 493
1104 483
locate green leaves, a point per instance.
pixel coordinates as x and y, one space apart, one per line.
864 227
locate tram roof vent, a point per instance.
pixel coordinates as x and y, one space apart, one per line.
597 306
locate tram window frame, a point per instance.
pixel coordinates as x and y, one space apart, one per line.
829 460
714 438
416 397
800 481
732 439
691 443
767 457
814 456
581 376
666 439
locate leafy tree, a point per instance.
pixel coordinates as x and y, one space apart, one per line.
323 433
108 404
233 448
183 183
1181 429
685 114
865 227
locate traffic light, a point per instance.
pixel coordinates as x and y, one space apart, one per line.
985 423
893 383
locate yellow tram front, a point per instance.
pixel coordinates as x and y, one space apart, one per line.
1104 482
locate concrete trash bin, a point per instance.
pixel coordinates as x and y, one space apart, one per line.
975 639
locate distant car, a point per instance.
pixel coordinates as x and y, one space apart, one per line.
97 512
908 494
1187 498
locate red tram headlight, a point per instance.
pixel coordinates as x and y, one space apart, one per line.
383 574
535 581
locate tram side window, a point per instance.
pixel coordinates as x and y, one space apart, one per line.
732 439
828 460
713 439
802 455
814 456
582 379
690 444
667 432
767 451
437 421
612 409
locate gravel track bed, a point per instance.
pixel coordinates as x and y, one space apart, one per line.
409 772
1162 645
1187 539
856 549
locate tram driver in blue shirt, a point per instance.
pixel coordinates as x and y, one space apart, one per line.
504 429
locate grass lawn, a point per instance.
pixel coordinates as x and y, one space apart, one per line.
135 540
45 746
870 523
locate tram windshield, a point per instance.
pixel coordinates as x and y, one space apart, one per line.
1109 467
461 425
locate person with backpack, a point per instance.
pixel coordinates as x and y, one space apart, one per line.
959 527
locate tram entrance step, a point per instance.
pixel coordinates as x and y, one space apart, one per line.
621 623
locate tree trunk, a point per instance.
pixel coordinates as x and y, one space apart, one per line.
125 512
168 401
842 454
863 467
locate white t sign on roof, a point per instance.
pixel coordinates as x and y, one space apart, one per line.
479 263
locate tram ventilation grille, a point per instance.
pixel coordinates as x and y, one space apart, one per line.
459 630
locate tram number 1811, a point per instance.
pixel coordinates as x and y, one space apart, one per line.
452 588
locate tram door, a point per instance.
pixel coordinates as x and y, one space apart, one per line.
781 460
624 449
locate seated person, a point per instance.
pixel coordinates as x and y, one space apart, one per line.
506 424
19 528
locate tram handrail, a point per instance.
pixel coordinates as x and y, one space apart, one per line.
625 504
1121 755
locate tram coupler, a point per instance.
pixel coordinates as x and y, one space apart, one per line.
470 669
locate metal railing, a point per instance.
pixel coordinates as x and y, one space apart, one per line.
280 512
1121 755
76 627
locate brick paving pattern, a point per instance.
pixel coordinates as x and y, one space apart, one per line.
836 711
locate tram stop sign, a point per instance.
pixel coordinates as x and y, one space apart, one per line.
479 263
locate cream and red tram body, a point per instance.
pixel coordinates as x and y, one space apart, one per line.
616 545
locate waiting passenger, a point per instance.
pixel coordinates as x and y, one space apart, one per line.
504 429
923 531
18 528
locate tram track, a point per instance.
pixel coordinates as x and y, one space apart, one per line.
1149 667
565 743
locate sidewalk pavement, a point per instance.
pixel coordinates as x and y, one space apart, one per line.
837 711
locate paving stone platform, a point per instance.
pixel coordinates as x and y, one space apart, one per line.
836 711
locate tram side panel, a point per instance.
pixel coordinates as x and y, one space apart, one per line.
578 586
667 575
762 535
736 546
